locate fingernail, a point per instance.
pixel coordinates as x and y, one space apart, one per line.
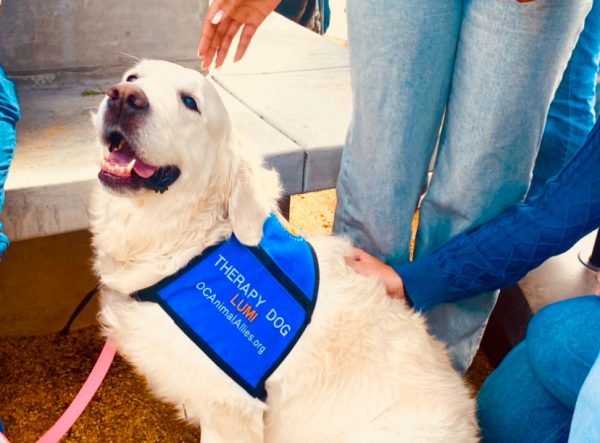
217 18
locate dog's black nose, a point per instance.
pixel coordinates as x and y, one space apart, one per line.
127 96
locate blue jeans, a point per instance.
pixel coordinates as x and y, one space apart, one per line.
480 74
531 396
571 115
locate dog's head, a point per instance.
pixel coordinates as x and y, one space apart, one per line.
165 135
162 123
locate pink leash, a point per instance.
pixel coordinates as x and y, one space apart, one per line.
85 394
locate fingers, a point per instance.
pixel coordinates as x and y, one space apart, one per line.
245 39
208 30
371 267
362 255
215 28
359 261
222 23
349 262
217 17
356 265
219 31
223 49
222 34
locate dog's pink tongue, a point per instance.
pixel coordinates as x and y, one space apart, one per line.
143 170
123 157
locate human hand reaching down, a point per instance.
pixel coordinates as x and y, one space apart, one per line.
223 20
366 264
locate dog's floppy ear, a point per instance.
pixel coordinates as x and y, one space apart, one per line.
254 195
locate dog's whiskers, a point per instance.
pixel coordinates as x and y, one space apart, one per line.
137 59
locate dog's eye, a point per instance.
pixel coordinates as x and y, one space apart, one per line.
190 103
132 78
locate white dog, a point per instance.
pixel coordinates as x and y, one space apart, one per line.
174 184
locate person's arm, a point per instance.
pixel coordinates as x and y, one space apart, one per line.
9 115
501 252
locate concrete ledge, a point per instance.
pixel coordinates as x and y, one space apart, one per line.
279 151
299 82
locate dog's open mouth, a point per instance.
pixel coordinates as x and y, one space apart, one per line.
123 169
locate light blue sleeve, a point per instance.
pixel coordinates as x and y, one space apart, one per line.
585 426
9 115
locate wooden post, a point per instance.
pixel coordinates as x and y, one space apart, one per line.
284 206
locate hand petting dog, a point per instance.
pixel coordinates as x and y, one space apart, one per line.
223 20
366 264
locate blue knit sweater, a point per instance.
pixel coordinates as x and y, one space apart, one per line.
501 252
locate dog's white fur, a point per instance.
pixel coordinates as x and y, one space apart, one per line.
365 369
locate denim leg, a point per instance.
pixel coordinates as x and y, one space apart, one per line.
571 115
597 105
401 59
514 407
509 60
563 342
532 394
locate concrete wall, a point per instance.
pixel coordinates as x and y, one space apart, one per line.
45 35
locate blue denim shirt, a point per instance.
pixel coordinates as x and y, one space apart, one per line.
9 115
585 427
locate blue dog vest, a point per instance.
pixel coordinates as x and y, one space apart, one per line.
245 307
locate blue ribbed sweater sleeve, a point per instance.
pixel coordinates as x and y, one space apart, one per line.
501 252
9 114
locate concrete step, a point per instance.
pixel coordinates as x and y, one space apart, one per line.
299 82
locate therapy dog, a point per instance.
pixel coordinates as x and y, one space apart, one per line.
175 185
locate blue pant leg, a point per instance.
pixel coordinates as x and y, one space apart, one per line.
9 115
514 407
509 61
563 342
531 396
597 105
585 426
401 59
571 115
